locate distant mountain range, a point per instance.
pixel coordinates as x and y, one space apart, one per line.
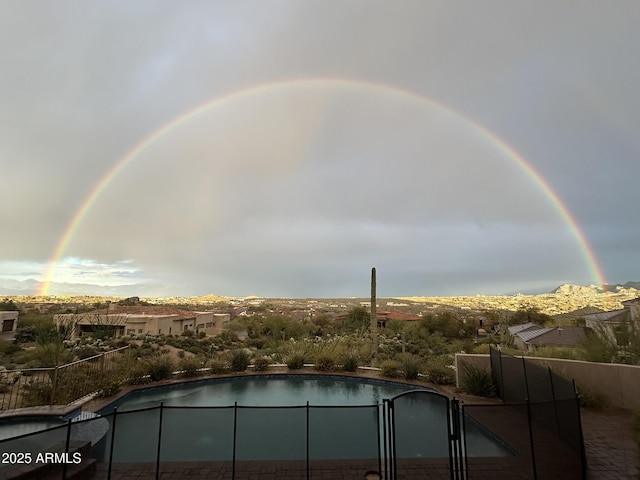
11 287
568 289
27 287
613 288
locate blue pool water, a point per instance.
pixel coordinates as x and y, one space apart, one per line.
344 420
263 391
264 418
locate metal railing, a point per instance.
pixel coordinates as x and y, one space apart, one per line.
60 385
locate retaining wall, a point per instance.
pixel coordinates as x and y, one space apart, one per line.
619 384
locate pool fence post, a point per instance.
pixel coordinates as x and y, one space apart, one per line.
385 438
533 450
307 439
583 453
464 442
54 385
378 430
529 419
113 436
392 430
235 426
159 442
451 438
66 450
555 406
457 438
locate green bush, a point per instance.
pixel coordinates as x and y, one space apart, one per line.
26 334
261 364
159 367
350 362
218 366
476 381
239 361
441 375
36 394
86 351
411 365
189 366
391 369
138 373
325 363
295 361
109 388
589 398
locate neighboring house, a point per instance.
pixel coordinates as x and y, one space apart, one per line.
617 322
9 320
384 316
138 320
530 336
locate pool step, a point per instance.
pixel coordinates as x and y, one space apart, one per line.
53 471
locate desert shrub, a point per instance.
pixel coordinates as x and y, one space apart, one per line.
26 334
411 365
325 363
35 394
109 388
350 362
239 361
295 361
159 367
189 366
86 351
589 398
441 374
483 348
227 337
261 364
476 381
138 373
218 366
391 369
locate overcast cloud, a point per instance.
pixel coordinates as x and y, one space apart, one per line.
300 187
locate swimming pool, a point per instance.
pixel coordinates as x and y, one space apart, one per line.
267 418
264 391
14 427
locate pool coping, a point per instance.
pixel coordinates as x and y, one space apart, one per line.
94 404
98 404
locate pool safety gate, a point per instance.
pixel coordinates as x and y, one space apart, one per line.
417 434
540 414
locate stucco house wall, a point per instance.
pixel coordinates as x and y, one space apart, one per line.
9 321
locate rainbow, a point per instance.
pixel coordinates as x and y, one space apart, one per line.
501 145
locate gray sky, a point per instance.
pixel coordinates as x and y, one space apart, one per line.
339 135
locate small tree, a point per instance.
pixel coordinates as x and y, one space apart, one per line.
50 349
358 320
